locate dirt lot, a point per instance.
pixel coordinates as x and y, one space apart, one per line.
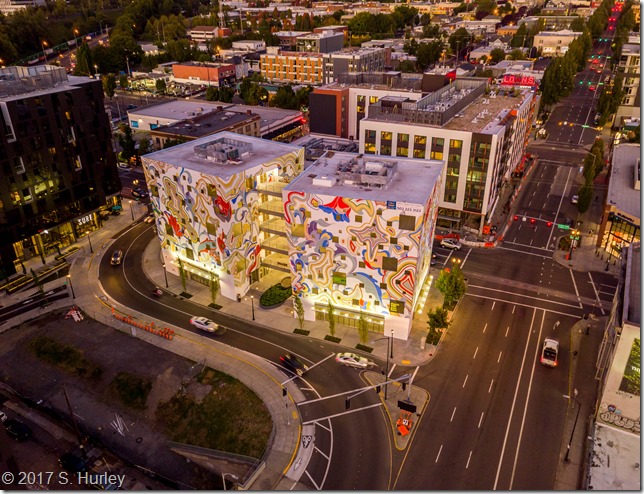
135 435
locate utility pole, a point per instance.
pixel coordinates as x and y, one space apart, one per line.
71 414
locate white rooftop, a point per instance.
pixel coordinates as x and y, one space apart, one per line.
621 186
184 156
412 182
615 463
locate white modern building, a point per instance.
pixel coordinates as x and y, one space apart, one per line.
554 43
360 231
480 131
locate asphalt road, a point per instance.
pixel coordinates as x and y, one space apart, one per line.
347 443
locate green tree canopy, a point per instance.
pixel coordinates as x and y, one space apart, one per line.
451 283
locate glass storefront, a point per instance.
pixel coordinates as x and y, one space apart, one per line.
350 318
619 234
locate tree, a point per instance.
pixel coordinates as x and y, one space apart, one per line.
226 94
127 142
161 86
585 197
451 283
436 323
519 38
124 82
284 98
331 314
145 145
497 55
517 54
428 53
363 328
214 287
182 274
109 85
299 311
37 281
407 66
459 39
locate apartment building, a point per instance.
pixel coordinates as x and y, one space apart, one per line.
629 68
8 7
320 42
216 200
288 39
360 231
480 132
202 34
59 175
337 108
319 68
554 43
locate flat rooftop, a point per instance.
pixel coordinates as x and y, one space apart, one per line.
480 115
614 455
621 186
633 299
209 123
184 156
412 181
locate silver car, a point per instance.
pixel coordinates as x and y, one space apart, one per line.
352 360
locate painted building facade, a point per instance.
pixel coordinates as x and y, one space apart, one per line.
360 231
206 196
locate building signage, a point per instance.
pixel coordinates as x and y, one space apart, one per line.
84 219
408 207
518 80
391 204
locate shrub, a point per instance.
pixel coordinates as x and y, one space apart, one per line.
275 295
131 390
66 357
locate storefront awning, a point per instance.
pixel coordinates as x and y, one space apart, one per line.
118 207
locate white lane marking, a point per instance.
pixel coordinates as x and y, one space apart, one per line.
526 245
596 294
319 451
525 408
484 327
342 413
574 283
493 304
552 230
506 331
453 412
525 252
439 453
481 419
468 461
489 390
514 400
576 306
323 426
513 308
499 359
465 379
465 258
312 481
475 352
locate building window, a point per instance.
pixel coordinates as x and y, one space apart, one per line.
397 307
339 278
419 153
369 148
420 141
385 149
455 143
370 135
407 222
385 136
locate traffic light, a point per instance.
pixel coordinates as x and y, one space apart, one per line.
532 221
549 224
516 217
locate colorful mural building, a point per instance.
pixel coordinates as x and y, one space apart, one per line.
360 231
210 197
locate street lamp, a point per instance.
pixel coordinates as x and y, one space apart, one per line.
89 239
387 357
574 235
165 275
42 45
131 210
223 478
252 305
574 425
69 277
95 70
392 344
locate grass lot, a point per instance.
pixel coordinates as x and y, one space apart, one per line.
230 418
131 390
65 357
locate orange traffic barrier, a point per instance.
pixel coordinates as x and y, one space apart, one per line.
150 327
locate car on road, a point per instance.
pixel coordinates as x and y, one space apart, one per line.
592 88
17 430
72 463
352 360
574 199
3 417
204 323
450 243
550 352
149 218
123 166
117 257
140 193
294 364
